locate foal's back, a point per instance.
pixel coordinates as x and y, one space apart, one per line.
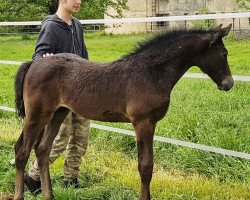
93 90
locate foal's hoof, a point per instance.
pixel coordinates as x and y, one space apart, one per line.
33 185
16 198
5 196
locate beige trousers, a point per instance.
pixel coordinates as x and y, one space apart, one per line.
72 136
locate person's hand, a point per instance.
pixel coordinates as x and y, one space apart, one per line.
48 54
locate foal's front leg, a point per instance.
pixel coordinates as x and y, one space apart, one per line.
144 135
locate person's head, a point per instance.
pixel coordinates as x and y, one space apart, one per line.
71 6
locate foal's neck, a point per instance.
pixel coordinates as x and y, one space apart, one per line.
178 59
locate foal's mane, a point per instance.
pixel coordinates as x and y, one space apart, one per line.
164 40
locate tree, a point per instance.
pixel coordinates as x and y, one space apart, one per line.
95 9
21 10
26 10
244 4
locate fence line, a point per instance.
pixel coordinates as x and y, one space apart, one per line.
187 75
165 140
10 62
178 142
5 108
199 75
145 19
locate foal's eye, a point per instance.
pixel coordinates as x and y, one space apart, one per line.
225 55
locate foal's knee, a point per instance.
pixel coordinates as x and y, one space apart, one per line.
20 155
42 152
145 168
19 162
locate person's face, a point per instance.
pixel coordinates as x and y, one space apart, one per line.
72 6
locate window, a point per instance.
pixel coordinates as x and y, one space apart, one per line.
162 24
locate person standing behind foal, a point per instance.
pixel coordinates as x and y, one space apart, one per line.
62 33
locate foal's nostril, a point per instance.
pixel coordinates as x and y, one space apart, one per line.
226 87
226 84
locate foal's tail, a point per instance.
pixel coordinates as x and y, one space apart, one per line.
19 80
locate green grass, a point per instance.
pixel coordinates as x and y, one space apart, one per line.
110 173
198 113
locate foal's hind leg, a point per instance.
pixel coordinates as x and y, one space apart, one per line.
32 129
43 148
144 136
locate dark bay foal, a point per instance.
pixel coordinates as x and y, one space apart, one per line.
135 88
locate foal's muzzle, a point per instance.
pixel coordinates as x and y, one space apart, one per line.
226 84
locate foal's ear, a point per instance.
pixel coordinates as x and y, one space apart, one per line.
216 34
217 28
225 31
222 31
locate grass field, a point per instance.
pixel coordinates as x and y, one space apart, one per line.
198 113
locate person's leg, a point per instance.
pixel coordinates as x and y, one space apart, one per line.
61 141
78 142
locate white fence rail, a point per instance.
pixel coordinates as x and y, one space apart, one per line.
146 19
187 75
165 140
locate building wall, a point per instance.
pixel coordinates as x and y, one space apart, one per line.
146 8
221 5
137 9
179 7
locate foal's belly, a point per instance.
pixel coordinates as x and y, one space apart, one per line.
105 116
111 117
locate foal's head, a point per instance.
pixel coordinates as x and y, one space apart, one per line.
213 61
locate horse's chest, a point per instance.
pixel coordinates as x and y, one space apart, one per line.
159 112
154 108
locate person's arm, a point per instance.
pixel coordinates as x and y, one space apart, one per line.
46 43
85 51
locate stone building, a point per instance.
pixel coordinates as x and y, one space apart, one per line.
156 8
